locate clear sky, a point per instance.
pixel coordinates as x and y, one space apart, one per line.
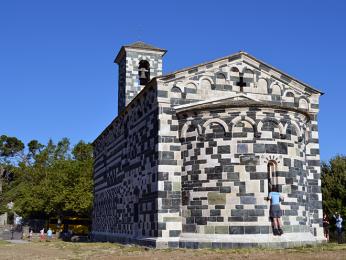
58 79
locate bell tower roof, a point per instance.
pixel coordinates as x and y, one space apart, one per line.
143 45
140 46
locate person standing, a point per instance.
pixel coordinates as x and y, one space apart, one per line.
275 211
49 234
12 231
326 226
42 234
338 223
31 232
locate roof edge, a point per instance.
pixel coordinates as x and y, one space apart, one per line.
123 48
124 111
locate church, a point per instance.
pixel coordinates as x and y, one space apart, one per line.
192 155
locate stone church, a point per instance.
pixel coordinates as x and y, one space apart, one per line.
192 155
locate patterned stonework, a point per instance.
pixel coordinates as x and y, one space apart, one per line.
191 159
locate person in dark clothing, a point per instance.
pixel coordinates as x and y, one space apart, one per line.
326 226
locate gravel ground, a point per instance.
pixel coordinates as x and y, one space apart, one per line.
67 250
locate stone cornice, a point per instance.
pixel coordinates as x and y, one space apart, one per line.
232 102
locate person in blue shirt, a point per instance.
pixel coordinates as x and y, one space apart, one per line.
275 198
49 234
338 223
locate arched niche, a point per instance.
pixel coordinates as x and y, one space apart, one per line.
288 96
215 128
262 86
303 104
293 132
191 88
249 123
271 128
206 83
276 90
189 129
243 129
220 79
176 92
234 73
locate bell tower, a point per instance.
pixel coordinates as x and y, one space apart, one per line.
138 64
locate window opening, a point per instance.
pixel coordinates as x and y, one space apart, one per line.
272 175
144 72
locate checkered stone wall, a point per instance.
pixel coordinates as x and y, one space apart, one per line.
125 174
225 177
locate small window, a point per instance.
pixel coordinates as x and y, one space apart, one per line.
272 175
144 72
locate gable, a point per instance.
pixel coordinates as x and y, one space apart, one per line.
234 75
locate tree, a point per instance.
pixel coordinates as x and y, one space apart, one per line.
334 185
56 182
82 151
34 148
10 147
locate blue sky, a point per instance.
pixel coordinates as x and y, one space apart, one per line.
58 79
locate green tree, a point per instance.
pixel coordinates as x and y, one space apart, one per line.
334 185
57 181
10 148
82 151
34 148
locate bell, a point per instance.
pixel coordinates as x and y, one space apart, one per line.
142 72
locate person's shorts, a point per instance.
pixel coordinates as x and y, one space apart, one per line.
275 211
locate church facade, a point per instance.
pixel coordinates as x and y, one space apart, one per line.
192 155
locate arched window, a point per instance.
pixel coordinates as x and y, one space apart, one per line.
144 72
272 175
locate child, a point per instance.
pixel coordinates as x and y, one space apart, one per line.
42 234
49 234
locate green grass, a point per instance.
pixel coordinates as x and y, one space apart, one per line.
3 242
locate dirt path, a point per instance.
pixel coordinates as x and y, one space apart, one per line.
64 250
